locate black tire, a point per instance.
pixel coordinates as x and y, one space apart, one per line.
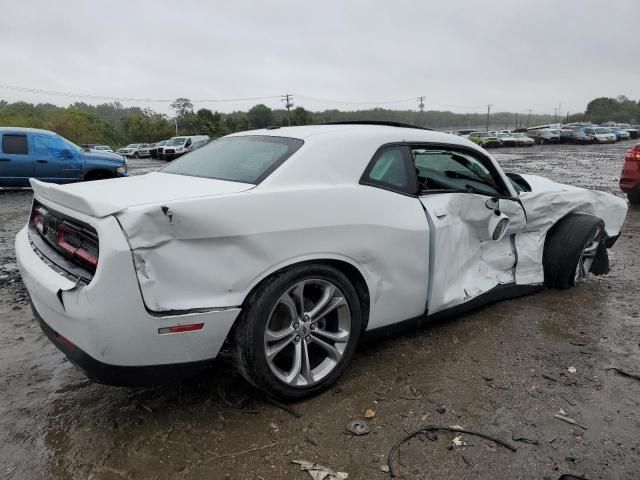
248 337
564 245
136 155
634 196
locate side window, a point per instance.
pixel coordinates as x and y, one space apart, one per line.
388 169
14 144
446 170
49 146
188 144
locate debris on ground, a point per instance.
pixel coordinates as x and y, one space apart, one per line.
549 377
572 369
358 427
319 472
624 373
441 409
519 437
434 428
457 441
369 413
569 420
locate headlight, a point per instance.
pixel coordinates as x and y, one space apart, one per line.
122 169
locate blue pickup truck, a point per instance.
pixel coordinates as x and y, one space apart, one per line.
32 153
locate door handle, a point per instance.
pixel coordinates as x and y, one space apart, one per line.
42 161
5 159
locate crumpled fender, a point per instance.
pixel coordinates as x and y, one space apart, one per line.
546 204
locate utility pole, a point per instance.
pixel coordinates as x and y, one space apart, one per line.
175 120
421 107
529 119
288 103
488 113
516 121
555 115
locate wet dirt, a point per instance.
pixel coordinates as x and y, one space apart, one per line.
501 370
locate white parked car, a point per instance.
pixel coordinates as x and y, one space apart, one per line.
523 140
178 146
133 150
288 244
601 134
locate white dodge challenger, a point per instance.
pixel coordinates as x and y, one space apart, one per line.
287 244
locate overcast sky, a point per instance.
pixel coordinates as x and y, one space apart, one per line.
461 55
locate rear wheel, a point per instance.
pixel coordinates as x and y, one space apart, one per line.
298 332
573 248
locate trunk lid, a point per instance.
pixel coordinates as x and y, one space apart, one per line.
106 197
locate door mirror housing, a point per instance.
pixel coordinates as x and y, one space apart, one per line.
498 224
67 154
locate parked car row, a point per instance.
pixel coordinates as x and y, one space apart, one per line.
165 149
578 133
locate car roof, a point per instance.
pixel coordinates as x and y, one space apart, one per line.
338 154
26 130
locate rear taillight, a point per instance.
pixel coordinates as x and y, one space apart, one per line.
37 220
633 155
78 244
75 240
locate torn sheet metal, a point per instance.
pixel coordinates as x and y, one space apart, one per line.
465 260
546 204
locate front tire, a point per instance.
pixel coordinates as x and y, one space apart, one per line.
573 248
298 332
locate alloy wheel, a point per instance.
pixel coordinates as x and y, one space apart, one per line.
307 332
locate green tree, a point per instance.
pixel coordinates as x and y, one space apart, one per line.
260 116
182 106
300 116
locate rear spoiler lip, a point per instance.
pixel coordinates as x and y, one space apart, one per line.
61 196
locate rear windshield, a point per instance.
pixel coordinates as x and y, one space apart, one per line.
246 159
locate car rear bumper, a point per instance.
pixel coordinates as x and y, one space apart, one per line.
117 375
107 320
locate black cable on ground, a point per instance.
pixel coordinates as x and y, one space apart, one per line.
434 428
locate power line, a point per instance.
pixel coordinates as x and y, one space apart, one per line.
124 99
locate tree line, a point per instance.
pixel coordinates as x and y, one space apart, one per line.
116 125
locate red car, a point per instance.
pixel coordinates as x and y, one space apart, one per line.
630 178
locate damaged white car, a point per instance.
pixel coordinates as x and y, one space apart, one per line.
287 244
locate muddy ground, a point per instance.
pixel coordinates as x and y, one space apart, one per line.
502 370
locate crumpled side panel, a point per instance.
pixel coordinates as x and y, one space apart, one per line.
466 262
545 205
211 252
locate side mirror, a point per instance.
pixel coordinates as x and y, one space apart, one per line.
67 154
498 224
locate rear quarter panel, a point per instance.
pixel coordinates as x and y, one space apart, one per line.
212 252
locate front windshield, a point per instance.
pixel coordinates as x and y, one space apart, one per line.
176 141
132 145
603 130
70 145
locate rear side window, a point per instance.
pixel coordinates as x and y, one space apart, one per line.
246 159
15 144
389 170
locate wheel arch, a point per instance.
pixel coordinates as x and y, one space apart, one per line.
345 265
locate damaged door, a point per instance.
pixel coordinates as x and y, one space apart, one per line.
472 221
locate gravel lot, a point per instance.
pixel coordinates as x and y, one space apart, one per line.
502 370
